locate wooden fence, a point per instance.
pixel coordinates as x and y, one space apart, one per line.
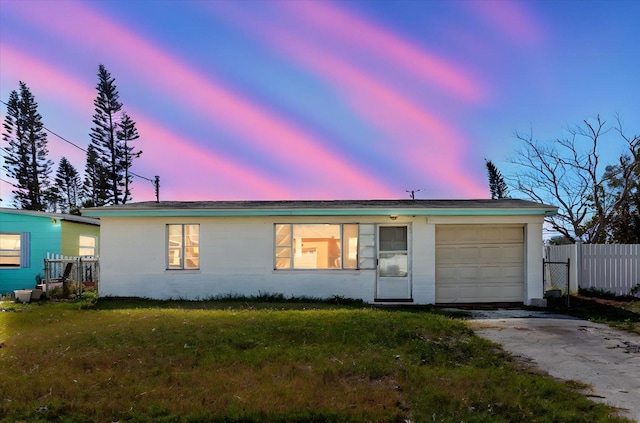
608 267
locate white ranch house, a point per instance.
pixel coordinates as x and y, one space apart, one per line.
380 251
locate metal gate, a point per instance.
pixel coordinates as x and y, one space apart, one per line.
72 274
555 276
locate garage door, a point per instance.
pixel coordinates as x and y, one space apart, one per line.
479 263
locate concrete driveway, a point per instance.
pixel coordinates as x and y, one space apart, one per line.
570 349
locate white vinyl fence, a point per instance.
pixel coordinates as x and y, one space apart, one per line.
608 267
84 272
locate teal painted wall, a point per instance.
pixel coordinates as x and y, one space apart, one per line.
45 238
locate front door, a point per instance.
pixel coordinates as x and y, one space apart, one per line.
394 270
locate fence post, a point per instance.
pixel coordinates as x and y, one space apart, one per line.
543 276
47 271
568 281
578 264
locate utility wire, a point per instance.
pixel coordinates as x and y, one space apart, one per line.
64 139
10 183
80 148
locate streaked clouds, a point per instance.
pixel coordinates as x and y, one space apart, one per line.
294 99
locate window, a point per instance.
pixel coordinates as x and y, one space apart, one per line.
87 245
10 250
316 246
14 250
183 246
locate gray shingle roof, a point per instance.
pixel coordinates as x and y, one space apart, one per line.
59 216
327 204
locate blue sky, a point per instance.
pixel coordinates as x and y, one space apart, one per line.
315 99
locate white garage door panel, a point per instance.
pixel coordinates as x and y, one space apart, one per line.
479 263
470 293
468 254
490 273
459 254
479 274
490 253
445 253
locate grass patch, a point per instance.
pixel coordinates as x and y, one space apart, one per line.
262 301
132 360
619 312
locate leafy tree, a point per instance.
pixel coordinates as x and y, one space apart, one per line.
127 133
26 159
623 179
68 184
568 172
560 240
497 185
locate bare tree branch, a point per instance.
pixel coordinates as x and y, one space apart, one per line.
568 172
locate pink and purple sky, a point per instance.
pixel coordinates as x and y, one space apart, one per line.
314 99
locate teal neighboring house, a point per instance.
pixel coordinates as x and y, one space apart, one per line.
27 236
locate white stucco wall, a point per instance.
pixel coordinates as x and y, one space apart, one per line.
533 283
236 257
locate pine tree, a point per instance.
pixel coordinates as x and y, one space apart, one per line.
95 187
497 185
103 134
127 133
26 159
52 199
68 184
110 136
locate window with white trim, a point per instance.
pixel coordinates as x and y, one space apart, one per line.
316 246
10 250
87 245
183 246
14 250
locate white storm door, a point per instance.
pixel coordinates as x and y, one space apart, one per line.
394 271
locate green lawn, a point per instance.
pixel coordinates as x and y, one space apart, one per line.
121 360
619 312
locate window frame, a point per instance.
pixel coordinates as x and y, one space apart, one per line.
19 251
81 246
182 248
345 248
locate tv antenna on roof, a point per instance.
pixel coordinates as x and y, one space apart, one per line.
412 193
156 184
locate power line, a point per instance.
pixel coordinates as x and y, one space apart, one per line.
10 183
80 148
64 139
155 182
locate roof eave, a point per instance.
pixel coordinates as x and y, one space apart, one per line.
60 216
177 212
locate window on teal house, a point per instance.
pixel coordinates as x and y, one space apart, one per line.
14 250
